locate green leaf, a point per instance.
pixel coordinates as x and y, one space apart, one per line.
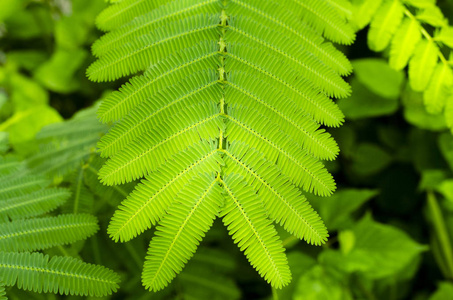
379 250
82 200
443 292
431 179
64 275
43 233
343 6
433 16
57 74
384 24
445 36
2 291
27 59
364 103
9 7
420 3
23 125
422 64
65 146
378 77
403 44
445 143
319 284
253 76
346 238
4 142
336 210
179 233
254 234
439 89
209 276
363 11
369 159
300 263
445 187
33 204
25 93
415 112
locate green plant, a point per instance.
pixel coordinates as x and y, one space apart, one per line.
393 174
23 196
225 122
402 26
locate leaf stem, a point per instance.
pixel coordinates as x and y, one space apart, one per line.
426 34
274 294
441 232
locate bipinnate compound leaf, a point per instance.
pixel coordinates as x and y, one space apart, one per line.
22 198
237 89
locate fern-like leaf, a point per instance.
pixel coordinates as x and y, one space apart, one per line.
65 275
237 89
43 233
25 196
9 165
17 186
148 152
323 17
245 218
283 201
148 203
160 76
181 230
248 126
33 204
2 291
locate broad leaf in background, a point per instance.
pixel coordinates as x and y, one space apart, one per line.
444 292
369 159
415 112
300 263
337 209
320 283
376 88
375 250
378 77
66 146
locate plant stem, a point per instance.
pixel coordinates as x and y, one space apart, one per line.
441 232
63 250
274 294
